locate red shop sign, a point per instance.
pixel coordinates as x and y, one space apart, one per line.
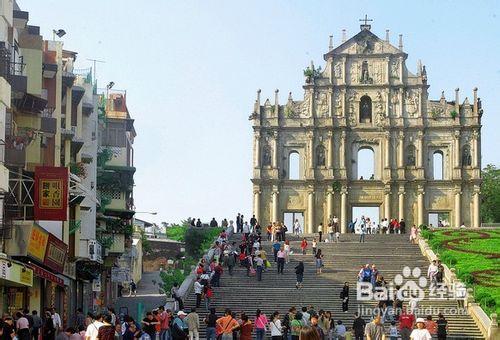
55 256
40 272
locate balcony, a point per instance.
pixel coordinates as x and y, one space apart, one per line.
68 134
15 157
29 103
48 124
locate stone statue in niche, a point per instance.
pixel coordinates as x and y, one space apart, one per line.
320 155
266 156
410 156
337 70
466 156
365 76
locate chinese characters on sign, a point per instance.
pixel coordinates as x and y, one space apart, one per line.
56 254
37 243
50 196
51 193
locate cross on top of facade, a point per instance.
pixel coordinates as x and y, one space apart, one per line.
365 25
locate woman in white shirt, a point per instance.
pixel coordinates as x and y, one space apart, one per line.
275 326
420 333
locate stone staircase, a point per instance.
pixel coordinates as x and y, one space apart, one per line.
390 253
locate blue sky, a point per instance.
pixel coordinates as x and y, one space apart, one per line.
191 70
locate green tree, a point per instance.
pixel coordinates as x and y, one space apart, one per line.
490 190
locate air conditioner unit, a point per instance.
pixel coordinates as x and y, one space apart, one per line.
95 251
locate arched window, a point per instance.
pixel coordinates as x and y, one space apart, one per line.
365 110
410 155
437 164
366 163
466 156
320 155
294 165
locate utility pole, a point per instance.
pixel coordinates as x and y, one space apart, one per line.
95 61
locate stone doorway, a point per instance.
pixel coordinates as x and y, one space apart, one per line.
289 218
370 211
439 218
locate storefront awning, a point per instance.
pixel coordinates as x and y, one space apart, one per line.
40 272
12 273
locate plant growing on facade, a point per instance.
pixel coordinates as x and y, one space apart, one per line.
336 186
311 73
434 114
78 169
289 113
453 114
104 156
105 241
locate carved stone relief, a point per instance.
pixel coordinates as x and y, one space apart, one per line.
394 68
322 105
337 70
411 102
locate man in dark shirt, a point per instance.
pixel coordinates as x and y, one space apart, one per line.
442 327
149 325
402 226
358 326
211 322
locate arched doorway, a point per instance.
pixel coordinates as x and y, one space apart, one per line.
366 163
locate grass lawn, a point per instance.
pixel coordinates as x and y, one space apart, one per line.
475 254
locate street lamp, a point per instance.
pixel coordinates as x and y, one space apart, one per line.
60 33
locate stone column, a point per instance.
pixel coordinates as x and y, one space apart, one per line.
401 147
310 146
342 150
401 203
458 205
256 147
420 147
401 61
475 149
343 210
387 151
387 202
456 147
476 222
420 205
310 211
275 207
330 150
256 204
401 102
329 205
275 149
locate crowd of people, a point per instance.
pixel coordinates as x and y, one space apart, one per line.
304 323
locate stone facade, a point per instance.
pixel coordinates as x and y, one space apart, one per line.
366 98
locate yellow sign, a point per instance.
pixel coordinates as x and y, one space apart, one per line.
37 243
26 277
51 193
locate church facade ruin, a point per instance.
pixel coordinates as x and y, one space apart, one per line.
367 99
